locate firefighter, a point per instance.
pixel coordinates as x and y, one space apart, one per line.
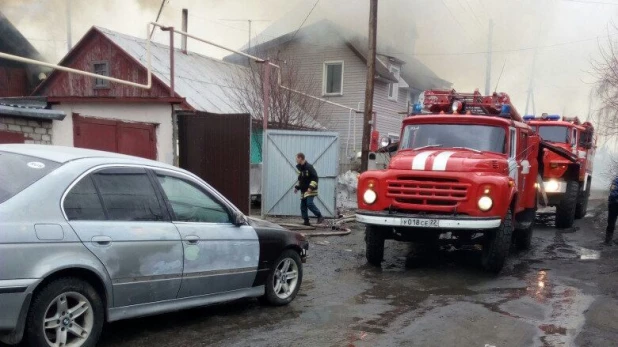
612 213
308 186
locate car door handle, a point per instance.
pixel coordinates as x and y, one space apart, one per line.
102 240
192 239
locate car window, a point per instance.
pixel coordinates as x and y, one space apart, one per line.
128 195
18 172
192 204
83 202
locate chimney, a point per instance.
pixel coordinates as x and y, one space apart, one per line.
185 28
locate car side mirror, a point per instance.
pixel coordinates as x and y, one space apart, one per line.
239 219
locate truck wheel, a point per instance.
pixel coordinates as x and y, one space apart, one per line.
497 244
582 203
565 211
374 240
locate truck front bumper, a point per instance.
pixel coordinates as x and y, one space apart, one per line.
400 220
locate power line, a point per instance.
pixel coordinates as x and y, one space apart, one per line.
593 2
456 20
303 23
514 49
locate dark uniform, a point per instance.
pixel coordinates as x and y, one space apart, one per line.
308 178
612 213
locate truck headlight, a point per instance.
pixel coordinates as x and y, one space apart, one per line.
370 196
552 186
485 203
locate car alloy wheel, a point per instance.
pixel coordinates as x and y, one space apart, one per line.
68 320
285 278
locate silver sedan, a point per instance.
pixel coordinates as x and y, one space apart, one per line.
88 237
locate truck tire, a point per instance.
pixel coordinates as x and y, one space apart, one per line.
374 240
565 211
497 244
582 203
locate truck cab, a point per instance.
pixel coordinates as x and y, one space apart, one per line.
566 181
465 173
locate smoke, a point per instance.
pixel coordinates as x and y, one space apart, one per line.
448 36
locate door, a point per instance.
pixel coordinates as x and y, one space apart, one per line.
118 215
218 256
10 137
280 175
137 139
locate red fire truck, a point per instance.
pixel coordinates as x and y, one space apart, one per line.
567 177
465 171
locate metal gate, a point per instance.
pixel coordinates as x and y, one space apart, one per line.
216 148
279 170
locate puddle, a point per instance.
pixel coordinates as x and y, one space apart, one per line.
589 254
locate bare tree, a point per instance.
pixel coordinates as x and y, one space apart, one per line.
606 89
288 109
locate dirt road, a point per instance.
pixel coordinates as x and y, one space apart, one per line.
561 293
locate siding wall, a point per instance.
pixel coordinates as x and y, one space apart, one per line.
309 55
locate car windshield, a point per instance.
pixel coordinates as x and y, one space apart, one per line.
474 137
18 172
554 133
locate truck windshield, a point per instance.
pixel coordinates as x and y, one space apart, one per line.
554 133
18 172
475 137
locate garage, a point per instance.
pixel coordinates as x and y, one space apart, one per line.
11 137
137 139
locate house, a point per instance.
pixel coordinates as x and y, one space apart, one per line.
119 118
22 121
334 61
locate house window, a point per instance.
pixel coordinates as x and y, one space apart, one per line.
333 78
101 68
393 88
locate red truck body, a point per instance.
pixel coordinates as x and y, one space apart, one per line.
467 166
566 181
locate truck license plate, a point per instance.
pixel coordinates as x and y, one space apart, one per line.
421 223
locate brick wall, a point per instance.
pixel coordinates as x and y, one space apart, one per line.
38 132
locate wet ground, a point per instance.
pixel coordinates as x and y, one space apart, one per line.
563 292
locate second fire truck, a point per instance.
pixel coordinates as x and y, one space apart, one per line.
466 170
566 177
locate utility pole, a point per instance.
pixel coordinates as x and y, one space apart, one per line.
371 68
489 51
265 117
69 43
531 86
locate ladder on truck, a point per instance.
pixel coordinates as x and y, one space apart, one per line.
447 101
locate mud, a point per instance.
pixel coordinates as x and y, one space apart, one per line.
562 292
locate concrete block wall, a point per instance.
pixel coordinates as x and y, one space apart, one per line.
35 131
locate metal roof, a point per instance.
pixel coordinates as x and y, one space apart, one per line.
207 84
32 111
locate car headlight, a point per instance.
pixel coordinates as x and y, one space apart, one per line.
552 186
370 196
485 203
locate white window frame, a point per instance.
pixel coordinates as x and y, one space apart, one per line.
394 86
98 82
324 76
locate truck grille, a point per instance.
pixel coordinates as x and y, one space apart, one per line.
427 191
